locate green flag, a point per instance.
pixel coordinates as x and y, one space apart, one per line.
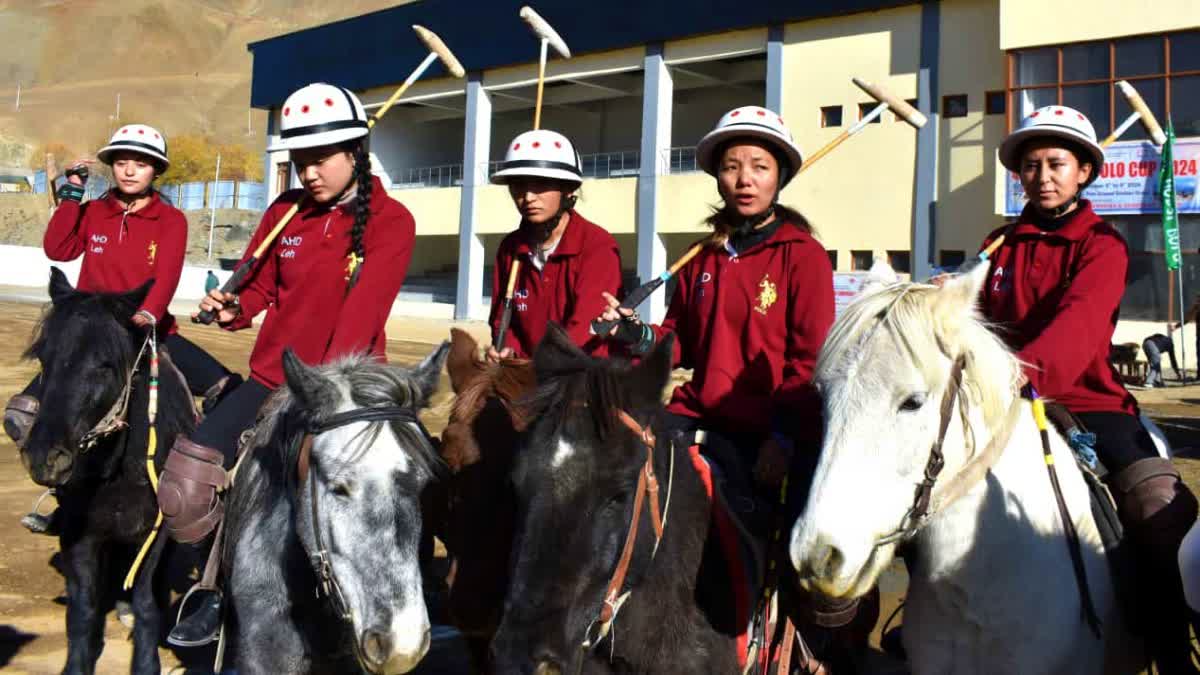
1166 188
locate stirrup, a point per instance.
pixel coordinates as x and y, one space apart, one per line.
39 523
179 617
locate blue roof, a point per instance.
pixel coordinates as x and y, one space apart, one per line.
380 48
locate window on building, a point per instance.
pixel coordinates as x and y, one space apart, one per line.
1164 68
832 258
865 109
901 261
861 260
831 116
954 105
950 260
994 102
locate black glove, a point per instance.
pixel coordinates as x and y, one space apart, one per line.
80 170
70 192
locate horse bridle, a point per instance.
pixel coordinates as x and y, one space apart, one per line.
647 491
115 419
327 583
919 511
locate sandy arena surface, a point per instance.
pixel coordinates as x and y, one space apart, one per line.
32 625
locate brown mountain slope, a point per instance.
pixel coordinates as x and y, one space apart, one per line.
180 65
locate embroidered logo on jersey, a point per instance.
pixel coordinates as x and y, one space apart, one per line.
998 282
521 295
766 295
353 260
290 245
152 252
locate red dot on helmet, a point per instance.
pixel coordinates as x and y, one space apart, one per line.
1058 112
125 131
156 135
735 113
287 111
304 108
141 131
329 102
516 146
557 144
762 113
537 144
1080 115
780 119
1036 113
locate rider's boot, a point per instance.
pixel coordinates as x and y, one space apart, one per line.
1157 510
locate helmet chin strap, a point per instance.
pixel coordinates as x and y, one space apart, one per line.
1062 209
542 232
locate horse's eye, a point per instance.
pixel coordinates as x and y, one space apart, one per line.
913 403
341 489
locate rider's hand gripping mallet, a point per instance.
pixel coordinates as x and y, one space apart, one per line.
437 50
886 100
1141 112
548 38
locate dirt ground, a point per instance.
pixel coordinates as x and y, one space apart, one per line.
32 625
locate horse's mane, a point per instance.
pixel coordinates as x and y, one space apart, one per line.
909 315
79 318
508 381
568 380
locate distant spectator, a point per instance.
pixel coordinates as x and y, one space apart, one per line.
1155 346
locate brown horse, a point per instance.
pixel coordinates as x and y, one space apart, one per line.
476 523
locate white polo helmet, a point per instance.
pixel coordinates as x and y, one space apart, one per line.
320 114
1053 121
754 122
138 138
540 153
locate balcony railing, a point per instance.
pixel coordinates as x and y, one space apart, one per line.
682 160
446 175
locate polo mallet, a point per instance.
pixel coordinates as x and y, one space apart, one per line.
51 175
506 315
983 256
437 50
1141 112
886 100
548 38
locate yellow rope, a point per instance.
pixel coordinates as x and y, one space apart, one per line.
151 450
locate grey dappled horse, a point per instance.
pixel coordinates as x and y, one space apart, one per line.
325 519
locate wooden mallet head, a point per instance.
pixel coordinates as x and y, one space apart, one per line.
1144 115
435 45
899 106
544 31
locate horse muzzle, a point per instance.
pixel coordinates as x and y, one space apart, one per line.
54 471
386 654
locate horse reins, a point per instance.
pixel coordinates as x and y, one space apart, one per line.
647 491
327 583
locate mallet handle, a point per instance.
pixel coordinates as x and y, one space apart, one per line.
537 109
639 294
1120 131
506 316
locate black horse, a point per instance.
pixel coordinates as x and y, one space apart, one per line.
576 479
88 351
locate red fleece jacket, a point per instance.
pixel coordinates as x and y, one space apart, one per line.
301 282
1055 296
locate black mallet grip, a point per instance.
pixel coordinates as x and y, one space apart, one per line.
231 285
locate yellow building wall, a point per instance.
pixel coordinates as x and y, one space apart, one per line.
1029 23
434 209
972 63
860 195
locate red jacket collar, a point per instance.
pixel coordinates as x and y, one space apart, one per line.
785 233
571 242
1076 225
115 207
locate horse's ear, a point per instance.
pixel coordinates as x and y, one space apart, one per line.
880 276
462 360
138 295
960 293
555 348
310 389
429 372
60 287
654 371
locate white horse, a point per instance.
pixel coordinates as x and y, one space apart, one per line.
992 587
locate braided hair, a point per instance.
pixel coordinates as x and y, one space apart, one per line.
362 172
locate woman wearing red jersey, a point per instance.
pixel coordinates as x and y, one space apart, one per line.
1054 295
327 285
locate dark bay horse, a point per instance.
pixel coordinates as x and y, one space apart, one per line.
88 351
476 523
577 477
325 519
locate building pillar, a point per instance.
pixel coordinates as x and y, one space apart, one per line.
269 166
655 162
774 101
924 234
468 297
